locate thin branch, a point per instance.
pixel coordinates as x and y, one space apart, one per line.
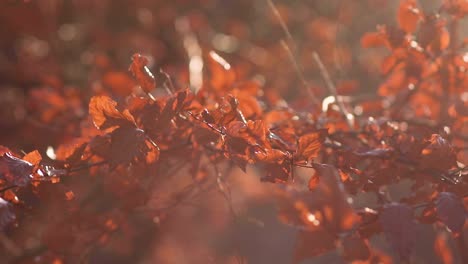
292 53
283 25
300 74
8 188
87 166
332 89
194 53
171 89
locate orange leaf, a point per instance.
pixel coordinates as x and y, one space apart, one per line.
120 83
408 15
373 39
33 157
309 145
141 72
105 114
313 182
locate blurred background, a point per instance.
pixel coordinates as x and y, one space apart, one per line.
55 53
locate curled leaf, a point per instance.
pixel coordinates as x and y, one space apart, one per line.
105 114
140 71
15 171
408 15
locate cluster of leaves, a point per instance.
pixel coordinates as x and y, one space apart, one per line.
135 138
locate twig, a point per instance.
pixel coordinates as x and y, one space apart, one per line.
171 89
291 53
299 72
87 166
332 89
283 25
194 53
8 188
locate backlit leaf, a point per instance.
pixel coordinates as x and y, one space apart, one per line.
105 114
140 71
309 145
408 15
15 171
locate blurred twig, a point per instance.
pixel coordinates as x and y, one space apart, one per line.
194 53
289 46
332 89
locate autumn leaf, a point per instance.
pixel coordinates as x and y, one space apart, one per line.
33 157
15 171
123 145
105 114
327 204
72 153
139 69
313 182
309 145
222 76
373 40
408 15
119 83
438 155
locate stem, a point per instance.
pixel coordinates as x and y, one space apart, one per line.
292 54
332 89
87 166
8 188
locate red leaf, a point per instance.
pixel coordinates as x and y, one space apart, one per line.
373 39
119 82
33 157
15 171
105 114
399 227
438 155
451 211
310 144
141 72
327 204
408 15
313 182
222 76
128 143
71 153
